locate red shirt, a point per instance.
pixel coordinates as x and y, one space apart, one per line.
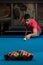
31 25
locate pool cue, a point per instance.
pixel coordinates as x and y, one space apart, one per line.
26 32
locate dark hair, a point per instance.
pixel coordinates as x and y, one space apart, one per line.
26 16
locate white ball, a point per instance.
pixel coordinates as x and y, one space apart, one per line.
24 38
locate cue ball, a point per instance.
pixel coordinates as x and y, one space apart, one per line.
24 38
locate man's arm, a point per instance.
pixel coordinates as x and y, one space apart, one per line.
32 34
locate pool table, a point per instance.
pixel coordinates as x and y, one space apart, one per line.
15 43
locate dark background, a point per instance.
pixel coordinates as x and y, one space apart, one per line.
7 26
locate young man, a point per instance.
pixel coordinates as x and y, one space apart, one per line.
31 25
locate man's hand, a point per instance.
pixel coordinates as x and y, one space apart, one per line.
28 36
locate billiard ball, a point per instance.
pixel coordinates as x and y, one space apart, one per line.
24 38
16 54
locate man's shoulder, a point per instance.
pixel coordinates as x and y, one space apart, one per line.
32 20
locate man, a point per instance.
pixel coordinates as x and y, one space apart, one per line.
32 25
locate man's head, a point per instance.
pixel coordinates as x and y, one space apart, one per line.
26 18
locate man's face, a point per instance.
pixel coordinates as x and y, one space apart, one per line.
27 21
